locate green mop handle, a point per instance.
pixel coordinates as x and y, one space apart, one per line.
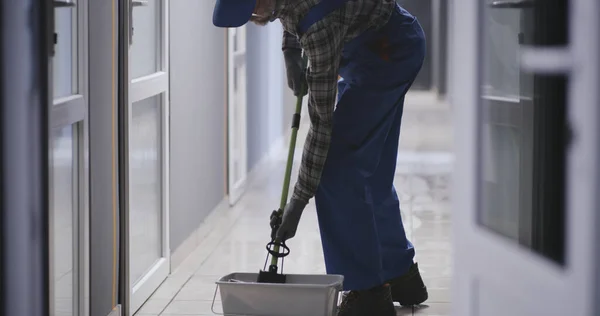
292 148
290 160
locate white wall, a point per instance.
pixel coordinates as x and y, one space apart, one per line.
198 103
266 93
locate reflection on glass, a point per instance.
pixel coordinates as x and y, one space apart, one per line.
501 189
523 131
146 38
501 58
64 220
64 61
145 191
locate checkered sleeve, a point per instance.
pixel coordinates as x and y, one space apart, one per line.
290 41
323 47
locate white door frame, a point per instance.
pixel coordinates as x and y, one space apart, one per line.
72 110
237 139
487 265
140 89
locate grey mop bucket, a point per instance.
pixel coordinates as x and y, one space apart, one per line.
301 295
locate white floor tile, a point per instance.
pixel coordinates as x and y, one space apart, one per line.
153 306
192 308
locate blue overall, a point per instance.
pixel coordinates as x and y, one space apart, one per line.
358 209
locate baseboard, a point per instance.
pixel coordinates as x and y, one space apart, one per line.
188 246
116 311
184 250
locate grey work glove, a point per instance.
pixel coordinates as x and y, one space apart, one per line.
296 71
291 218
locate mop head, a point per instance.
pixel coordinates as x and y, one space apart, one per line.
271 276
278 250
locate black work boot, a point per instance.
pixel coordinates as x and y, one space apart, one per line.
376 301
409 288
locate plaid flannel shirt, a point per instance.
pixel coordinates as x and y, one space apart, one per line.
323 43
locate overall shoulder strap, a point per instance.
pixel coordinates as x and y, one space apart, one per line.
317 13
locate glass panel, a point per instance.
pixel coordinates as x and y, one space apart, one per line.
65 59
145 53
501 55
524 131
64 220
145 176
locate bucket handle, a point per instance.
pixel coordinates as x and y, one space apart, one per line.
212 307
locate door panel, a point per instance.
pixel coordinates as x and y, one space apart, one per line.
68 161
525 205
148 149
145 48
65 218
65 58
527 156
145 165
237 101
508 123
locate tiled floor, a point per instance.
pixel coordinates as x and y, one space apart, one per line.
238 236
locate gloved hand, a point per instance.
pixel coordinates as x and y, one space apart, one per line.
291 218
296 72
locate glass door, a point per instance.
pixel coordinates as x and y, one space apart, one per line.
69 163
237 100
507 121
148 149
523 222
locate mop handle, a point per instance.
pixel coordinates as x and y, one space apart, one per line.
290 161
292 149
290 158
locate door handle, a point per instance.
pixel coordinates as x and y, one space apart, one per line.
64 4
139 3
512 4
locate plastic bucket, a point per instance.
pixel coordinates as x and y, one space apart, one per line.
301 295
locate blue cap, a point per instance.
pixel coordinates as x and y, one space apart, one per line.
233 13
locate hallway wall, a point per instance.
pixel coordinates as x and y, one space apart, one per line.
265 75
198 103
